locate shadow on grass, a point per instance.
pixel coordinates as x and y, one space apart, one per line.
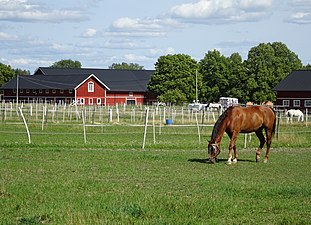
218 160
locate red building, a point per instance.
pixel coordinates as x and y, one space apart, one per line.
82 86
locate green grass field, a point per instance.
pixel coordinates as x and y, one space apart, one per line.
110 180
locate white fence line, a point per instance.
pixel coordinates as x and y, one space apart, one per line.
90 113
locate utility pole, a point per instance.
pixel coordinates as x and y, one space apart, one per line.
16 91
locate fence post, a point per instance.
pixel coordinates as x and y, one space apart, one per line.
278 125
84 129
306 117
21 112
43 117
153 126
146 126
197 122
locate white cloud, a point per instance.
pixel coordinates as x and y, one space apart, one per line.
26 62
136 58
221 11
300 18
301 12
90 32
7 37
146 27
25 11
170 51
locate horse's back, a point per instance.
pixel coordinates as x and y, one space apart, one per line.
249 119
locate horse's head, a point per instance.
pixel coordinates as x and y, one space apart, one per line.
213 151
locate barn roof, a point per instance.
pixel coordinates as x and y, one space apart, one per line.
64 78
297 80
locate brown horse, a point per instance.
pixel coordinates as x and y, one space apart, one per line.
237 120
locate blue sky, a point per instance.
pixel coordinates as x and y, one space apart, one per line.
98 33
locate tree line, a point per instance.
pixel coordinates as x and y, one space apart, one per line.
177 76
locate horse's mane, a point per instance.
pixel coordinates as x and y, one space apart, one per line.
219 122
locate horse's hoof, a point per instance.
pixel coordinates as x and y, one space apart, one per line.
229 162
211 161
265 161
234 161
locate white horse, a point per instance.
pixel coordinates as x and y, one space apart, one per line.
294 113
196 106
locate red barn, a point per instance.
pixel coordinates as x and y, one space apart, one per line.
81 85
294 91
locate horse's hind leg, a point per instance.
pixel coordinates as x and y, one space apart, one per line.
262 140
269 141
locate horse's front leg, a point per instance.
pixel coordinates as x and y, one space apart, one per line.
232 147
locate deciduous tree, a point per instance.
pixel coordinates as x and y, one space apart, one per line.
67 63
174 79
6 73
126 66
266 65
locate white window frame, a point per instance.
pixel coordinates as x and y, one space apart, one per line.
90 86
285 102
99 101
307 103
130 93
296 103
70 91
81 101
61 91
91 102
53 91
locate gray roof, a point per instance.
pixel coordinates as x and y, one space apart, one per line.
63 78
297 80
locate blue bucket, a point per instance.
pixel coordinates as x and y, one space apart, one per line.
169 121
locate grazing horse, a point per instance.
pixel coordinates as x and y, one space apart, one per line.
237 120
294 112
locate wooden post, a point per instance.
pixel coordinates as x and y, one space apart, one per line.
153 126
84 129
306 117
277 125
197 122
21 112
146 126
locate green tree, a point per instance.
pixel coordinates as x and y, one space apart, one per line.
236 79
307 67
126 66
215 69
266 65
174 79
20 72
67 63
6 73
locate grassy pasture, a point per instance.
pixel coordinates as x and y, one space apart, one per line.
60 180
